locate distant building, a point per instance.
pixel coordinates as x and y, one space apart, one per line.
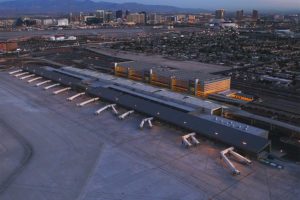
205 18
108 16
48 22
278 17
229 25
63 22
71 18
220 14
153 18
191 19
62 38
255 15
136 18
180 18
119 14
100 14
127 12
38 22
81 17
145 16
170 19
239 15
8 46
91 19
5 23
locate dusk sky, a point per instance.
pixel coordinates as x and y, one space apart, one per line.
227 4
214 4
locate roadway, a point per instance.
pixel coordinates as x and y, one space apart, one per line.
126 32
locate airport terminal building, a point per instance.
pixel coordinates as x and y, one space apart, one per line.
183 111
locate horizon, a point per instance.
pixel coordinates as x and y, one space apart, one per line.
230 5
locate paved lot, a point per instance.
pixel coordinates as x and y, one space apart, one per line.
77 155
161 61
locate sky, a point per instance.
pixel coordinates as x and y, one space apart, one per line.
227 4
215 4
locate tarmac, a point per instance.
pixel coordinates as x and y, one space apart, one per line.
52 149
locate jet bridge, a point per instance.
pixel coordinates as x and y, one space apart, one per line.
51 86
112 106
21 74
88 101
61 90
14 72
149 120
189 140
240 158
26 77
124 115
43 83
34 79
75 96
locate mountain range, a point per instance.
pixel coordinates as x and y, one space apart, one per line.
66 6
